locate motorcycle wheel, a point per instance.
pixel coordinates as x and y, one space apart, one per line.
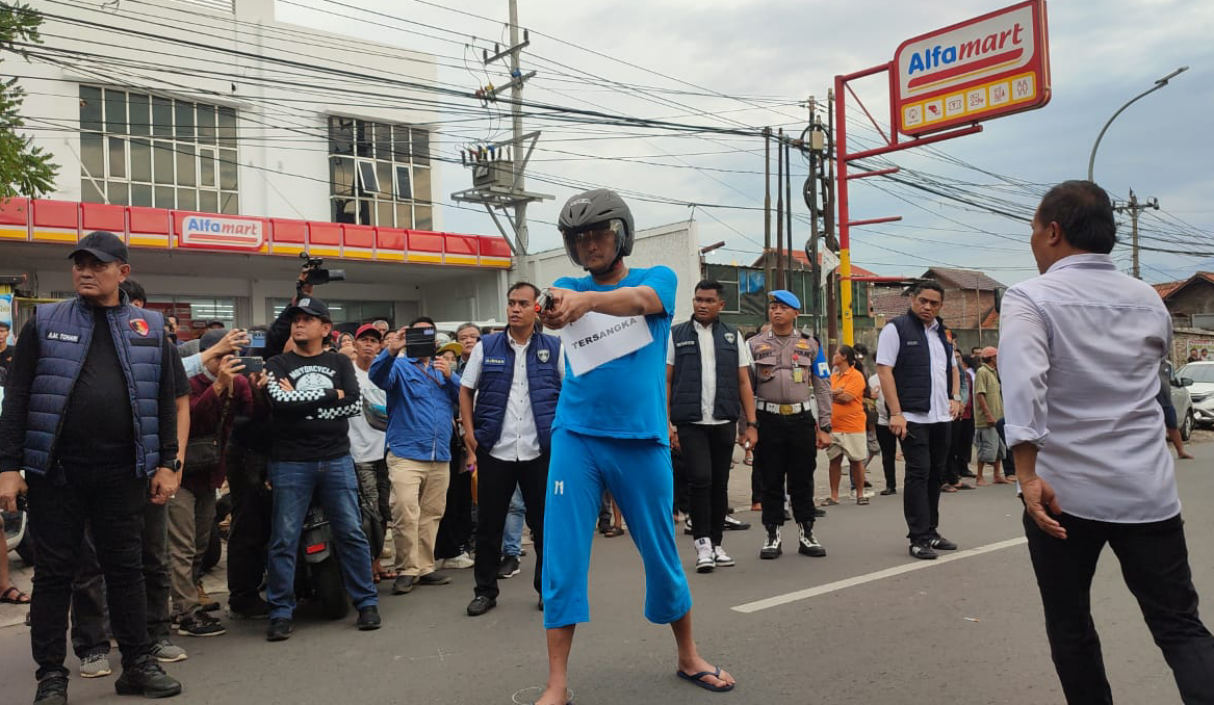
330 593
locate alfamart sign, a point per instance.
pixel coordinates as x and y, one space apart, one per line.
207 231
982 68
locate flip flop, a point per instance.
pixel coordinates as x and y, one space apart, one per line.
697 678
20 599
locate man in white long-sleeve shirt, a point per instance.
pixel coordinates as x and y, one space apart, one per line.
1090 458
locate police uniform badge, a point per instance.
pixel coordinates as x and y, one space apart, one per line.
140 326
542 355
729 338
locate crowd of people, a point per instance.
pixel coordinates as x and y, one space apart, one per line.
450 447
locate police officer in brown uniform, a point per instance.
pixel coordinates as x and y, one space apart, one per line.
787 362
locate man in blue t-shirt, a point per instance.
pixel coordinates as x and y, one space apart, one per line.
610 432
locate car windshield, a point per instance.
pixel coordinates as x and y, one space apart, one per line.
1198 373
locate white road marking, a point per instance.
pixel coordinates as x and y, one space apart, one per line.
807 593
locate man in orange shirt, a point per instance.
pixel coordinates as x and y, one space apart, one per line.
848 434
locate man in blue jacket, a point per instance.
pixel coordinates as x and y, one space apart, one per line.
423 394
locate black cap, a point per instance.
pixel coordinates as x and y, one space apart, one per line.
311 306
105 246
210 338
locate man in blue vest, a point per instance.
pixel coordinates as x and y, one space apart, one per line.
90 415
708 389
610 432
922 390
508 394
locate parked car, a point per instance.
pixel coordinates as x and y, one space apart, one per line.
1182 402
1198 379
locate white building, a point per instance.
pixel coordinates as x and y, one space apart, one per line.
221 143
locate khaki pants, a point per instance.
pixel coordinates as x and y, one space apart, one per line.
419 498
190 519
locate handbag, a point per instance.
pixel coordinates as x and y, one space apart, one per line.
202 454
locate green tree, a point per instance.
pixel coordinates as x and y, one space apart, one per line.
25 170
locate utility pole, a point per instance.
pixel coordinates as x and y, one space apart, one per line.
1134 206
788 216
767 280
779 208
498 176
811 200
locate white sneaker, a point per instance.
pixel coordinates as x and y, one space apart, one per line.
722 559
463 560
705 562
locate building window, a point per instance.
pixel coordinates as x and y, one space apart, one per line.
343 311
379 174
144 150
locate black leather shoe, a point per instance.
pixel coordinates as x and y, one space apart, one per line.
279 630
148 679
52 690
819 513
433 579
888 491
403 584
480 605
942 544
368 619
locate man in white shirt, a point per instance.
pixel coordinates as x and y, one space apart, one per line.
508 395
922 388
367 443
708 390
1092 465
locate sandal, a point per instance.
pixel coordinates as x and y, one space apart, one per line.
948 488
828 502
862 500
20 598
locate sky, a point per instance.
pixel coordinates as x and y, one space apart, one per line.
748 64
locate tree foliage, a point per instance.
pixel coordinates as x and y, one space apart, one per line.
25 170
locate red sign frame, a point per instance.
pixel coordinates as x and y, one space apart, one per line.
999 78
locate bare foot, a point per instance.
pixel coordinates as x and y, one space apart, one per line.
553 696
1001 481
981 482
756 506
1183 455
698 665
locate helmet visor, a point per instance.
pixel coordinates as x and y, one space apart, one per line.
596 245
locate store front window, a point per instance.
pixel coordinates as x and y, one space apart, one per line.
344 311
194 313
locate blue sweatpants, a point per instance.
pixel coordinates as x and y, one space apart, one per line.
637 472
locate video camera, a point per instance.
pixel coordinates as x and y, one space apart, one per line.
315 272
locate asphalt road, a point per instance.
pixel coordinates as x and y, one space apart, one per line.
866 624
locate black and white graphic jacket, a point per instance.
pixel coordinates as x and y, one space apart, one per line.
309 421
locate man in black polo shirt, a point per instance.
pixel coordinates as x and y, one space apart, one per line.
922 390
90 414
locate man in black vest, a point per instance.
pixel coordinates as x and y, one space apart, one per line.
113 449
507 400
708 388
922 390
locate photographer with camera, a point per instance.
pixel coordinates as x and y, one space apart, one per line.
423 395
312 393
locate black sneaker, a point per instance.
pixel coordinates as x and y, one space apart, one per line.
771 546
480 605
888 491
279 630
200 624
942 544
433 579
508 568
732 524
148 679
818 513
254 610
403 584
368 619
807 545
52 690
922 550
687 531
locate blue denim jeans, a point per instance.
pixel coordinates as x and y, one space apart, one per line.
512 536
294 483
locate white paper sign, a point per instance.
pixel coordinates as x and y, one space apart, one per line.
597 338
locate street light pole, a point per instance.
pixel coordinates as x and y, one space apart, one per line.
1158 84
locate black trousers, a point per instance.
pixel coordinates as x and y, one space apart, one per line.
1009 463
496 480
90 633
110 502
1155 564
959 450
455 528
787 451
682 490
925 450
707 452
889 450
249 534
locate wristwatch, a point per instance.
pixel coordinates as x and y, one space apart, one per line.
956 397
752 424
175 466
824 428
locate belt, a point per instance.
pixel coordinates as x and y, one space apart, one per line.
782 409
